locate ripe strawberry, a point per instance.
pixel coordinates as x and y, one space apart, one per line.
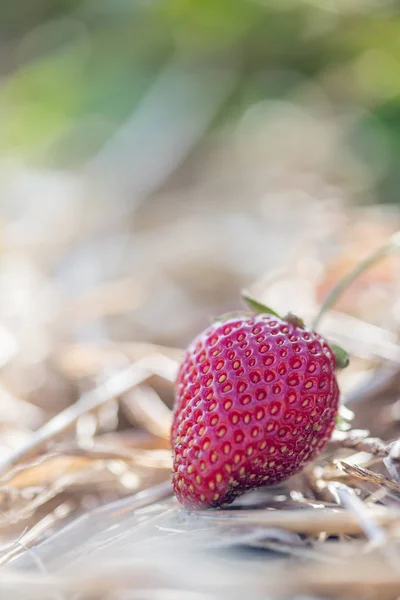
257 399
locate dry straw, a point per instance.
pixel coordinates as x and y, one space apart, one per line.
87 509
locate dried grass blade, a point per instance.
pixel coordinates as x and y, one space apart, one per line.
312 522
64 421
369 476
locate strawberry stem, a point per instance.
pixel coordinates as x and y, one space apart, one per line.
393 245
294 320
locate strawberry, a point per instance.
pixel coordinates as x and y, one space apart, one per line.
257 399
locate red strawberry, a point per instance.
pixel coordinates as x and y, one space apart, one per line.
257 399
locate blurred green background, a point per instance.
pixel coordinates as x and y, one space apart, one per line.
73 71
179 150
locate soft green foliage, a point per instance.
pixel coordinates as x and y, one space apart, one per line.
341 356
258 307
74 71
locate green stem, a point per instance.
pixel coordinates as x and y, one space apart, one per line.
393 245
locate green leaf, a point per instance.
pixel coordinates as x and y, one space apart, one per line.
258 307
342 358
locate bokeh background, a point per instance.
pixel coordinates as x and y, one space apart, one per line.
157 157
